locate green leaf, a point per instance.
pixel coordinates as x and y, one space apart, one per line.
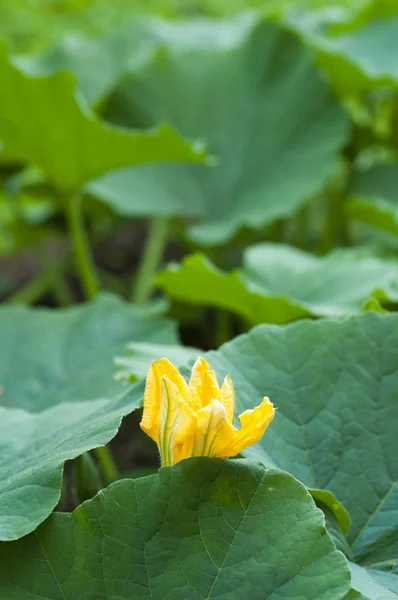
341 515
205 528
374 198
77 146
332 524
334 384
359 59
376 212
98 63
58 396
231 82
380 181
376 585
279 283
134 364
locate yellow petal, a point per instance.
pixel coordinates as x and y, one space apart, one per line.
253 424
203 384
212 430
150 418
197 419
227 398
177 423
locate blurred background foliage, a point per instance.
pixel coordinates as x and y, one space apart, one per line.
33 24
302 141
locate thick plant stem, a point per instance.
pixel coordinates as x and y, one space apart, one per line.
106 463
88 278
84 262
153 252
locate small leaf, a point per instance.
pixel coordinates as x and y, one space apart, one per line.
374 198
279 283
376 212
338 510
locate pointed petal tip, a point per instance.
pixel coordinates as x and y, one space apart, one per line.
200 363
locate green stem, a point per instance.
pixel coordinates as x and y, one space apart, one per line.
223 327
84 262
107 464
153 252
32 291
58 284
61 290
88 278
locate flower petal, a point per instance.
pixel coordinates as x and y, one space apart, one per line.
150 418
228 398
253 424
203 384
213 429
177 423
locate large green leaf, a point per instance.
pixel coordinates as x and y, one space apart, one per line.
335 386
202 529
250 89
43 123
58 396
278 283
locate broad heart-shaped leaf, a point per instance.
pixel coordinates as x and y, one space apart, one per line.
204 528
58 396
375 197
250 89
334 383
279 283
44 123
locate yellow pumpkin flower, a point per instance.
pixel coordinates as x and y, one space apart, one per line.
196 419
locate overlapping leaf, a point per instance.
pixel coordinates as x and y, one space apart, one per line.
58 396
42 122
231 82
335 386
358 59
278 283
202 529
137 358
97 63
